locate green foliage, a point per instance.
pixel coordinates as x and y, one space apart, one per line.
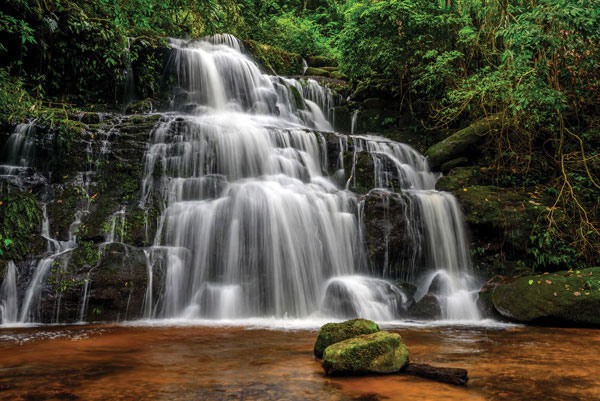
277 60
20 219
86 254
550 252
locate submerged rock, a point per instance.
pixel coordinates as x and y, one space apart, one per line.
380 352
563 298
332 333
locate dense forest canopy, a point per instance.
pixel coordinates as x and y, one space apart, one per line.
534 63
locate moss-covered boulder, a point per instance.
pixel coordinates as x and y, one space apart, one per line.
380 352
458 162
316 71
332 333
321 61
460 178
381 88
561 298
503 216
462 142
338 75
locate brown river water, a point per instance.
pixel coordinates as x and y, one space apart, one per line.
115 362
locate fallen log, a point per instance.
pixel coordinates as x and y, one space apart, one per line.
455 376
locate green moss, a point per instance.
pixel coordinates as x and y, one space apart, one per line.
274 59
85 254
458 162
332 333
20 219
316 71
338 75
61 212
343 119
461 142
380 352
321 61
362 178
298 99
565 297
459 178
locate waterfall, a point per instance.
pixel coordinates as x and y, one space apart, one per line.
438 228
252 224
9 308
17 154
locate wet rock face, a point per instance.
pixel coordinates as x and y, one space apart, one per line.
380 352
562 298
332 333
388 226
428 308
108 182
20 218
111 280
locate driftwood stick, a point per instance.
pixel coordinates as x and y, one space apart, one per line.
447 375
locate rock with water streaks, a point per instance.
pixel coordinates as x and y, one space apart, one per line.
380 352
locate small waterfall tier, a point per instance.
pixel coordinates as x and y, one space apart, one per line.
441 254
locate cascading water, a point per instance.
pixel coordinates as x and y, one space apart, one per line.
252 224
438 229
9 308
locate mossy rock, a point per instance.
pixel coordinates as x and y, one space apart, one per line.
362 178
459 178
428 308
382 88
330 69
561 298
380 352
507 214
338 75
297 98
332 333
116 276
458 162
321 61
140 107
275 60
316 71
342 119
392 250
462 142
